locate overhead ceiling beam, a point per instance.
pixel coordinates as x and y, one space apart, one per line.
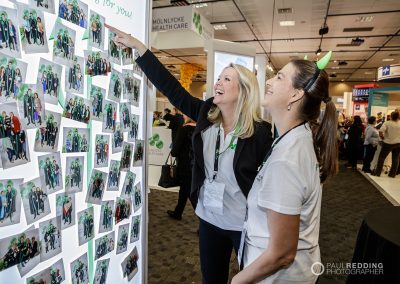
228 22
311 38
366 13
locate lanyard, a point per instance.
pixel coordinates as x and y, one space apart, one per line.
217 153
276 142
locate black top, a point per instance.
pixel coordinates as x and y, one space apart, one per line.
183 151
249 152
175 123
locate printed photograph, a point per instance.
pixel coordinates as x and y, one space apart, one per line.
114 175
104 245
135 228
14 150
12 75
97 63
114 52
73 11
109 116
127 188
22 249
46 139
100 274
40 277
85 225
79 270
64 45
44 5
125 116
106 216
102 150
50 238
127 56
65 208
48 81
131 87
54 274
96 187
77 108
32 30
96 30
137 198
10 202
9 36
130 265
115 86
74 79
35 200
31 106
122 239
136 69
134 128
122 209
117 138
126 156
97 97
50 172
138 155
74 174
75 140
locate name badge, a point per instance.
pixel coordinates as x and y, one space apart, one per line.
214 197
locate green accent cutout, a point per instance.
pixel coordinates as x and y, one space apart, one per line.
61 99
85 34
323 62
51 36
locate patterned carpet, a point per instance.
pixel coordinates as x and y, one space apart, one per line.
173 245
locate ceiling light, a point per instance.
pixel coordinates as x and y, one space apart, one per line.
318 52
342 80
285 11
220 27
365 19
335 60
335 67
289 40
287 23
368 73
200 5
388 59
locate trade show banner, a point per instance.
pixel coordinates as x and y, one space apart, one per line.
378 104
159 145
72 151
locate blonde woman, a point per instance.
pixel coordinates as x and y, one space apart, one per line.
229 142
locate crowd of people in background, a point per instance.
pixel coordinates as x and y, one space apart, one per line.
371 139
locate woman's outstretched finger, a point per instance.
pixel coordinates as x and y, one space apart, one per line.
115 30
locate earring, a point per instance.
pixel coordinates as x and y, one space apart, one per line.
289 107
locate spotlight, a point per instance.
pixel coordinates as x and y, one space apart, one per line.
323 30
318 52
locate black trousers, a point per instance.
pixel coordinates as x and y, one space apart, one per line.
369 152
184 192
386 149
216 247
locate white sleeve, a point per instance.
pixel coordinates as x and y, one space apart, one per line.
283 188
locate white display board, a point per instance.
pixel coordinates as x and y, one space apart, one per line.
131 17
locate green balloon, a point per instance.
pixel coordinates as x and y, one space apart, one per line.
159 144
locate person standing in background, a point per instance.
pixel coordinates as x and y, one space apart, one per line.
175 123
354 142
390 132
370 143
183 151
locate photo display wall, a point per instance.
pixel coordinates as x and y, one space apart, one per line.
72 131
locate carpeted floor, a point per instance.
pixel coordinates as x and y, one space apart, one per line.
173 245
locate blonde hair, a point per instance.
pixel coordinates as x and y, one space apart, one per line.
248 105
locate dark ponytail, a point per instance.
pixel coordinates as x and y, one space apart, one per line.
315 84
